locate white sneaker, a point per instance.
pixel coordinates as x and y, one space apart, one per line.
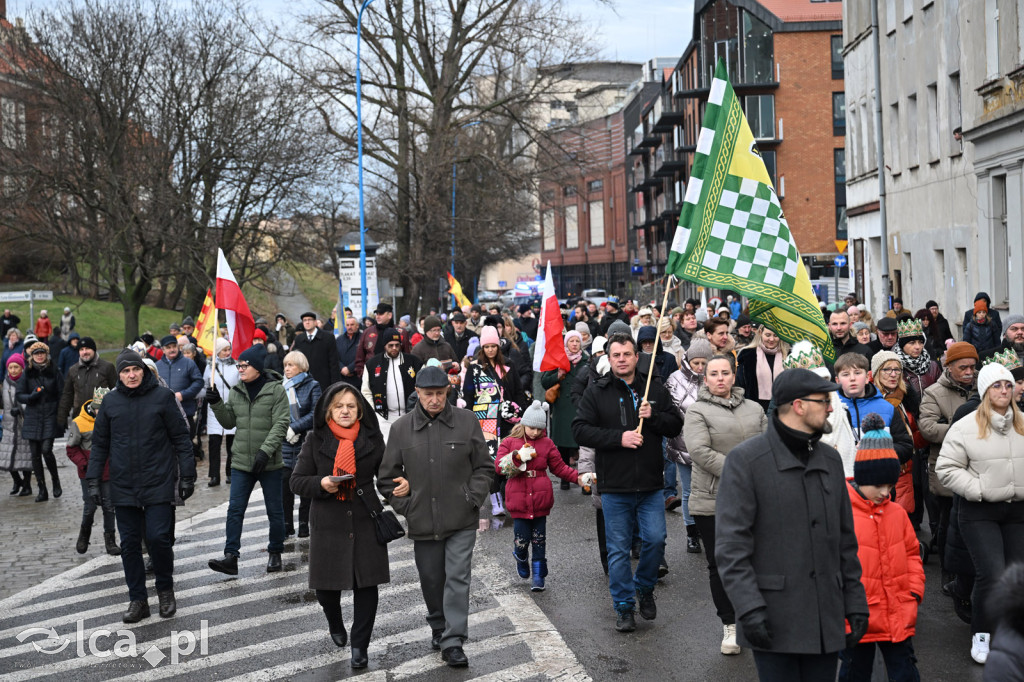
731 648
979 647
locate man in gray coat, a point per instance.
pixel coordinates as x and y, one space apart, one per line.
438 453
785 546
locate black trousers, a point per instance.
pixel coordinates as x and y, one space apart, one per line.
706 528
288 501
215 441
43 450
364 613
156 523
778 667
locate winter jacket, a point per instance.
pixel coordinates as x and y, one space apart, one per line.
608 409
492 398
68 355
347 349
458 344
714 426
938 405
519 358
376 380
43 328
872 401
891 568
674 347
80 382
8 352
529 494
322 355
746 373
1006 655
449 469
39 391
142 434
300 412
371 344
79 443
14 449
920 382
784 540
563 411
982 335
343 548
683 386
182 375
983 470
7 323
227 376
427 349
262 423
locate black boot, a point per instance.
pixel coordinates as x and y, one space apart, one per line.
303 530
17 483
83 538
110 545
168 605
43 496
137 610
227 564
274 562
57 490
359 659
692 540
26 486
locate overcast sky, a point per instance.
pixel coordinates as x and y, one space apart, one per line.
634 30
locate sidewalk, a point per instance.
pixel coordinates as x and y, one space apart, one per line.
40 538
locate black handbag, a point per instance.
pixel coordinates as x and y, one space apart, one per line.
385 522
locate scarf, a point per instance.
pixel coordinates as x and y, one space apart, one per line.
573 357
345 456
293 398
765 374
918 365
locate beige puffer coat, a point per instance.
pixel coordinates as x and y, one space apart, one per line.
713 427
938 405
983 470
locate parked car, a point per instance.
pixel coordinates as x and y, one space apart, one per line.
596 296
484 296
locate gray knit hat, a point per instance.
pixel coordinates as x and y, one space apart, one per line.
535 416
699 348
1010 320
619 327
857 326
583 328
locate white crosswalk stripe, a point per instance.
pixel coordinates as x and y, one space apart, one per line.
262 626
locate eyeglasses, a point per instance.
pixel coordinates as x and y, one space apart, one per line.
891 370
820 401
242 366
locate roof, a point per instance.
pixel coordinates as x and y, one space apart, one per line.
804 10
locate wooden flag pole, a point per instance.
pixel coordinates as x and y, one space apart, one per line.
657 337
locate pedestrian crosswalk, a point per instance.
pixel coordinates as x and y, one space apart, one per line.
262 626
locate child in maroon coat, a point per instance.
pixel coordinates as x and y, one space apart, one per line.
525 457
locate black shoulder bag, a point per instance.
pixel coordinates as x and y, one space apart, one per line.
386 523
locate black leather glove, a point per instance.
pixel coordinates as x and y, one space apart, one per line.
858 626
212 395
186 487
260 463
93 485
756 628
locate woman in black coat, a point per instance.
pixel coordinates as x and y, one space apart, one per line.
343 550
39 389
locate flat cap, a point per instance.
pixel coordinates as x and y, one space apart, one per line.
797 383
458 317
886 324
431 377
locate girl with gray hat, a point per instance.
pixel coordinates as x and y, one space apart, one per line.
525 456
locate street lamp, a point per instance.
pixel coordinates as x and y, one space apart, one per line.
359 151
454 164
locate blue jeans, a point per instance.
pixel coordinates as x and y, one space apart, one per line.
242 483
681 473
529 533
620 510
900 662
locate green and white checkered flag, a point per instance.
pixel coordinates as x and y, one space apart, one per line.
732 232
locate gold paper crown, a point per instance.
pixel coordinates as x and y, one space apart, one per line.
1007 359
804 355
909 327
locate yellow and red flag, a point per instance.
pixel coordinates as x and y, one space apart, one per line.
455 289
206 326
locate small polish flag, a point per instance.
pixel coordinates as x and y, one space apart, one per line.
550 352
230 299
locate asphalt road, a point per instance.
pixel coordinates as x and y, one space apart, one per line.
261 626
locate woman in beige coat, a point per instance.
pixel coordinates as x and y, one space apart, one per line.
720 420
982 461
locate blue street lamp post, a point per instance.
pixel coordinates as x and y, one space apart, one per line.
454 165
359 152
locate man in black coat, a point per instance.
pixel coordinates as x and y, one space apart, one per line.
630 472
8 322
85 376
785 541
142 433
372 342
320 350
458 335
348 345
888 335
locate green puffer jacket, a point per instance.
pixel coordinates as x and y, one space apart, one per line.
262 424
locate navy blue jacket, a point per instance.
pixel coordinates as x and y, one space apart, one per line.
182 376
347 349
301 414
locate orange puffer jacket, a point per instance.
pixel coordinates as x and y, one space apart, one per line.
891 568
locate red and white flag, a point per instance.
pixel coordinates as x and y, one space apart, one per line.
229 299
550 352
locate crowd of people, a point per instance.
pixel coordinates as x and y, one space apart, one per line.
700 412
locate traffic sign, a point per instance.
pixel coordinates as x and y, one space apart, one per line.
840 261
31 295
841 245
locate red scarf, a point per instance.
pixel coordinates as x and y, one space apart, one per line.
345 456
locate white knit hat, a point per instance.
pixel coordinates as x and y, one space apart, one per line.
990 374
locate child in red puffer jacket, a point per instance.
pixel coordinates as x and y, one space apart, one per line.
890 561
525 457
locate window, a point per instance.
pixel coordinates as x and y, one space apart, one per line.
838 113
757 50
596 212
12 122
893 137
1000 241
912 158
572 227
769 163
595 185
839 161
991 39
569 191
932 124
955 121
760 110
547 229
837 57
841 231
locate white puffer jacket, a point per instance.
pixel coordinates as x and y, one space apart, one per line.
983 470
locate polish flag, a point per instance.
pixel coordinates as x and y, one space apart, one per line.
550 347
229 299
